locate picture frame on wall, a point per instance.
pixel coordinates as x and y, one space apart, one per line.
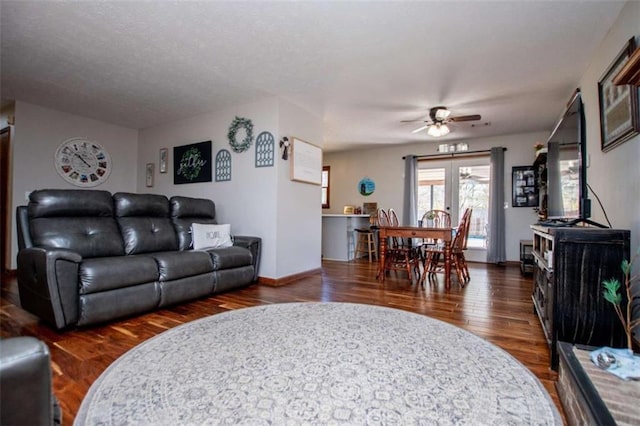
192 163
164 157
149 175
524 181
619 115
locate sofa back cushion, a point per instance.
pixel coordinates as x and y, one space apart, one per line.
186 211
144 223
75 219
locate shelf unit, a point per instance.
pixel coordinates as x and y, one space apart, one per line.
570 264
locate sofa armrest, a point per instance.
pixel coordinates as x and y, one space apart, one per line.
48 284
254 244
25 380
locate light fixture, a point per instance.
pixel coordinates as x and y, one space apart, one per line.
438 129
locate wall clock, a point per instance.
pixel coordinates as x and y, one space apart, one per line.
82 162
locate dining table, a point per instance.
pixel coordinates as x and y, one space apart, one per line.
442 234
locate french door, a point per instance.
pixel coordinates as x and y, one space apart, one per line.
455 185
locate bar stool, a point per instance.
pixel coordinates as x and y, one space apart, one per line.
365 243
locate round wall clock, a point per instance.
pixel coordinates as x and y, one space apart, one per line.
82 162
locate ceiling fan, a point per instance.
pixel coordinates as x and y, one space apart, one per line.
440 116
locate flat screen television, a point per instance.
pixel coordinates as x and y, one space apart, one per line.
567 197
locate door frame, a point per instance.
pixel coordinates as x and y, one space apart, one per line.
5 191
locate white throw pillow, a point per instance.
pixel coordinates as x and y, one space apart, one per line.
206 236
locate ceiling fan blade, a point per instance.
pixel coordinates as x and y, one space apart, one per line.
414 121
466 118
419 129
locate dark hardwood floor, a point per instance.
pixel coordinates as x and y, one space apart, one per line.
496 305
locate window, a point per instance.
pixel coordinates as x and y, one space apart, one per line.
325 186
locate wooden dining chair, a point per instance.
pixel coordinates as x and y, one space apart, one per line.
433 258
399 254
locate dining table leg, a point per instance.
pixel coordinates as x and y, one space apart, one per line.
382 244
447 264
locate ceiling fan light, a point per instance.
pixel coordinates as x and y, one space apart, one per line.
435 130
442 114
444 130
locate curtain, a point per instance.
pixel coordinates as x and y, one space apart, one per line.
496 250
410 199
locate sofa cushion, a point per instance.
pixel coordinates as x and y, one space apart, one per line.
70 203
78 220
185 211
110 273
230 257
144 223
180 264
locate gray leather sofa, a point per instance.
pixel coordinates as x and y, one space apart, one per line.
26 396
87 257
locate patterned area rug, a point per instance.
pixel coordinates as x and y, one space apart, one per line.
317 363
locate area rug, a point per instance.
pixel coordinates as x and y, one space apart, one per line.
317 363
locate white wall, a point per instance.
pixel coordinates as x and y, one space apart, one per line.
386 167
299 204
261 201
614 175
37 133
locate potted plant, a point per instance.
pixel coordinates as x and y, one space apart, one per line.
612 294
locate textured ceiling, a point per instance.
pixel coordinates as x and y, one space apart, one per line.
361 66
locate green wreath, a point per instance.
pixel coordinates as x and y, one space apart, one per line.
237 124
191 163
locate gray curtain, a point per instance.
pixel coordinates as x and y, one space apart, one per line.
410 199
496 251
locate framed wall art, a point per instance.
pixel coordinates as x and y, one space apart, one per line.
149 175
306 162
192 163
164 158
619 119
525 186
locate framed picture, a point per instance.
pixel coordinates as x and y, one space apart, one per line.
164 157
306 162
192 163
524 180
149 175
619 119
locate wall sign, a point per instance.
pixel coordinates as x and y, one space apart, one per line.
366 186
306 162
192 163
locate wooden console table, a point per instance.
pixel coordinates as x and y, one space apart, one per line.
592 396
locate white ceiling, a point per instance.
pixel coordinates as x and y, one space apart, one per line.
361 66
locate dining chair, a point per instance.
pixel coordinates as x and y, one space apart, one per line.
433 257
400 254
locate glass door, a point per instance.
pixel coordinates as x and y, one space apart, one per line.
454 185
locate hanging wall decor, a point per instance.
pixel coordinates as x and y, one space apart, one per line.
192 163
237 124
223 166
265 145
366 186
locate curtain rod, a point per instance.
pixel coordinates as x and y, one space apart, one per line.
453 154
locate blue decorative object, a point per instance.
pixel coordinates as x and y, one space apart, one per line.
237 124
223 166
366 186
265 146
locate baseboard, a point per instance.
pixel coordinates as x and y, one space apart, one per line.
10 273
278 282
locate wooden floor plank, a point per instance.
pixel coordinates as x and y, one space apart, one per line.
496 306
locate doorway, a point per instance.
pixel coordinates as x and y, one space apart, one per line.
454 185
